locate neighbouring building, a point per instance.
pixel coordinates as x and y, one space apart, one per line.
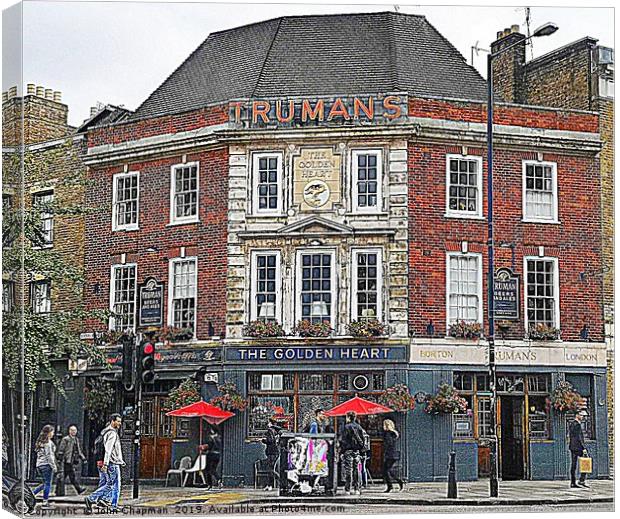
331 169
577 76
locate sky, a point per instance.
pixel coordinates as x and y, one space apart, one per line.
119 52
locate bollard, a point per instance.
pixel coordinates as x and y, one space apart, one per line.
452 490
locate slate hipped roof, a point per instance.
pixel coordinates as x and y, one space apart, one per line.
318 55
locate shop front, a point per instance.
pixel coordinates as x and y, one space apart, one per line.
305 378
532 433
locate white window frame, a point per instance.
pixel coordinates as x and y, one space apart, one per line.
464 214
187 219
44 192
377 152
298 283
256 156
448 280
129 227
554 183
254 281
556 288
171 263
354 254
112 285
47 303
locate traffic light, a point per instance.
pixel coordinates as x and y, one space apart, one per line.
127 375
147 362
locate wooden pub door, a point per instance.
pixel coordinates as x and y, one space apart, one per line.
156 439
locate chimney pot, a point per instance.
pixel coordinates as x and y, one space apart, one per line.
40 91
5 96
49 93
57 96
31 89
514 28
499 34
93 111
12 92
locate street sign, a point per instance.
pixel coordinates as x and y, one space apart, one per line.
506 292
151 310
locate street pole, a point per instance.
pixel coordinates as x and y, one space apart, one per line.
137 415
544 30
493 480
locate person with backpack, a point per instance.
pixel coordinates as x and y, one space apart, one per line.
109 458
391 454
46 461
352 444
271 451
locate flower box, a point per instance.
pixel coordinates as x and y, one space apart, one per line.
306 328
263 329
366 328
542 332
465 330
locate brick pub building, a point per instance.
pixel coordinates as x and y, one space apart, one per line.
331 168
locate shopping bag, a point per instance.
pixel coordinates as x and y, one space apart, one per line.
585 464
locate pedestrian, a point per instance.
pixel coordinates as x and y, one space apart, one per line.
214 449
70 455
109 458
577 446
391 454
320 424
46 461
351 446
272 451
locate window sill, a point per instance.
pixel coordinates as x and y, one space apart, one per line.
464 216
532 220
267 215
368 213
183 222
125 229
50 246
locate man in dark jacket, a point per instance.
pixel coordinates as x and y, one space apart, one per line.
271 450
351 447
320 424
577 447
69 456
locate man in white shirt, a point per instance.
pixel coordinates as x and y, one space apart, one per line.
109 466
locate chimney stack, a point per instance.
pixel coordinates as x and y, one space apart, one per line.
508 67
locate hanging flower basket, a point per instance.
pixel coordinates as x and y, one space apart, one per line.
263 329
308 329
446 401
398 398
186 393
367 328
565 398
229 398
542 332
465 330
98 400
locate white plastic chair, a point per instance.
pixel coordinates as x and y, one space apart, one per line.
179 469
199 466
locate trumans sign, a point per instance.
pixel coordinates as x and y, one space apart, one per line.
316 179
506 294
151 303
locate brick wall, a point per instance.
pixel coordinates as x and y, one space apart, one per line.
575 241
606 107
475 112
507 67
186 121
206 239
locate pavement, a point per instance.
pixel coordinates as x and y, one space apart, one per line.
475 493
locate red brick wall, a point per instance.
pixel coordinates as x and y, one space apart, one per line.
474 112
176 123
575 241
206 239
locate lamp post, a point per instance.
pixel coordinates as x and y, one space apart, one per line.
545 30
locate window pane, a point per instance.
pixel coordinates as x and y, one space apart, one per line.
367 180
316 288
463 186
126 196
42 202
265 296
268 183
463 288
540 293
183 286
123 297
186 191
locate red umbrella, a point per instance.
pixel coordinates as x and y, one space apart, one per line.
213 415
360 406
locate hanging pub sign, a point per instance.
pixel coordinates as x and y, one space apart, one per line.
506 290
151 303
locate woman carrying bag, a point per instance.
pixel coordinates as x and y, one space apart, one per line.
391 455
